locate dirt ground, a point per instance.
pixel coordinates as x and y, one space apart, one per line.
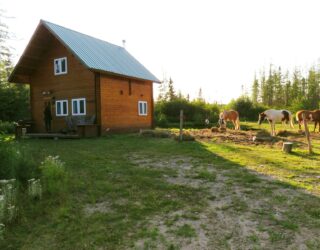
232 218
254 137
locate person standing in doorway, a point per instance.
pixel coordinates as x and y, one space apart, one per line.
47 116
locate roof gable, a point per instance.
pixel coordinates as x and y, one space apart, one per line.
96 54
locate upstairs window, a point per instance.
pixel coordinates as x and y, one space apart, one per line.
62 108
79 106
142 108
60 66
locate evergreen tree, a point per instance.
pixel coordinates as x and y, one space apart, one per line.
14 98
295 91
170 94
200 97
313 89
278 100
255 90
263 89
270 88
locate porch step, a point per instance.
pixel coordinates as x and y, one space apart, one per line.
52 135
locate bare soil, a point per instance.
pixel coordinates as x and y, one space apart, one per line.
253 137
230 220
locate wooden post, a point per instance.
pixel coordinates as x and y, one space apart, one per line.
181 125
306 129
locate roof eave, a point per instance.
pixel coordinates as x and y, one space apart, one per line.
125 76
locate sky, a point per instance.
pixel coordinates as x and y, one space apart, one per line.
215 45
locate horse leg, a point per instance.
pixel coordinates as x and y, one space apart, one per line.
299 122
234 124
274 128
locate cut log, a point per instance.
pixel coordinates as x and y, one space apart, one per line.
287 147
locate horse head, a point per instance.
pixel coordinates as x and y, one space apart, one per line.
262 116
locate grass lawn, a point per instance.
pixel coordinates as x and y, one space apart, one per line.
132 192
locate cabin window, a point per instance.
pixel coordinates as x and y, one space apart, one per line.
60 66
79 106
62 108
142 108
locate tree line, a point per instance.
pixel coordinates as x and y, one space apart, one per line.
292 90
169 103
14 98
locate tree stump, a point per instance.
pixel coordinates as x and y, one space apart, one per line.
287 147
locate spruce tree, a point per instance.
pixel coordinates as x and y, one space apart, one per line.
170 95
255 90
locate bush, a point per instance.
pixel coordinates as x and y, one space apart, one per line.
6 127
247 110
17 164
195 113
53 176
161 120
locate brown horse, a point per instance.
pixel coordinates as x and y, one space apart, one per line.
309 116
315 117
230 115
299 117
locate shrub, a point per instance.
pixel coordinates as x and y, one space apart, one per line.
161 120
17 164
247 110
195 112
53 176
6 127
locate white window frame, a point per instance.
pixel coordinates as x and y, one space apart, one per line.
61 105
59 64
78 106
144 111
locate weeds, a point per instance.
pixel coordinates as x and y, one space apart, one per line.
53 175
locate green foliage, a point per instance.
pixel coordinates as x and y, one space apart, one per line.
292 91
6 127
17 164
14 101
195 112
53 175
246 108
14 97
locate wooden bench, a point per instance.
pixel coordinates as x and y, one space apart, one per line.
84 125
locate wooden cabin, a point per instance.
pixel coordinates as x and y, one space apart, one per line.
83 83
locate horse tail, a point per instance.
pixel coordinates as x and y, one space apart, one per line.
298 116
238 123
291 120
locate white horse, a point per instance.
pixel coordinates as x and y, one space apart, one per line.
274 116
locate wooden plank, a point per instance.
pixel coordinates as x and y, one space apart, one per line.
53 135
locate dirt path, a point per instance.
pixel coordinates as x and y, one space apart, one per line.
237 215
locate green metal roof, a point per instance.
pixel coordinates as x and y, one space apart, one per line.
100 55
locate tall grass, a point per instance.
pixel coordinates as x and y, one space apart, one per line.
17 164
6 127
